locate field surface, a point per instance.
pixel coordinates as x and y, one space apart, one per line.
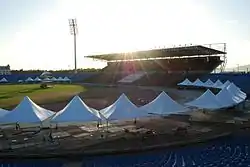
11 95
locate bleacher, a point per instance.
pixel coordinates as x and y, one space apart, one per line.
132 77
232 152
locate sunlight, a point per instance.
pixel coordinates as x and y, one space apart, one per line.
109 27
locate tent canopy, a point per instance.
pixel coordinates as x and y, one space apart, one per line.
123 109
186 82
3 80
226 98
208 83
29 79
60 79
198 82
235 91
66 79
27 112
37 79
163 105
76 111
217 84
3 112
53 79
206 101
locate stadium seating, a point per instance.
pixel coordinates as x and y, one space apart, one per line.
229 151
220 153
171 65
132 77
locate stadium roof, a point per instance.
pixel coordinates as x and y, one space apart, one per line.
159 53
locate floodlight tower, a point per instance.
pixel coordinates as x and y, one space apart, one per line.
74 31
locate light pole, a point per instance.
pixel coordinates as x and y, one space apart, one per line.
74 31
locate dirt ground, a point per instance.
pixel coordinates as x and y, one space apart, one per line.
146 132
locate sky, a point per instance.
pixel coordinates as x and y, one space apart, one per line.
34 34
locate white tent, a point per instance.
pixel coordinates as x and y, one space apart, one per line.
47 79
123 109
66 79
53 79
232 88
27 112
37 79
29 79
163 105
217 84
3 112
206 101
198 82
226 84
186 82
208 83
60 79
226 98
3 80
75 112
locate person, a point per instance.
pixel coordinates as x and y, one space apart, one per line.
98 124
50 136
135 122
17 126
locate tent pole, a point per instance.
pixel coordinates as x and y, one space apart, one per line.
107 123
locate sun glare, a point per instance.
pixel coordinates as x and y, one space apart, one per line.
109 27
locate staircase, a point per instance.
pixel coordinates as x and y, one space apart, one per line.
132 77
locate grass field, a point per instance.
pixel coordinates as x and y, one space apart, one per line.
11 95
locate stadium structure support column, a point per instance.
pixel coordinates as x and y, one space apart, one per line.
74 31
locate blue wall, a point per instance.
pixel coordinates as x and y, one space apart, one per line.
241 80
79 77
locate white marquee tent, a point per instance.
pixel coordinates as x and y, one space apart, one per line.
53 79
66 79
27 112
206 101
29 79
226 84
198 82
186 82
226 98
76 112
236 92
123 109
208 83
3 80
217 84
60 79
3 112
37 79
163 105
47 79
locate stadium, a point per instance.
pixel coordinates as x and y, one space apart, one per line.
159 107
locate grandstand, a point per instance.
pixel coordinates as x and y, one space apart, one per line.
157 67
